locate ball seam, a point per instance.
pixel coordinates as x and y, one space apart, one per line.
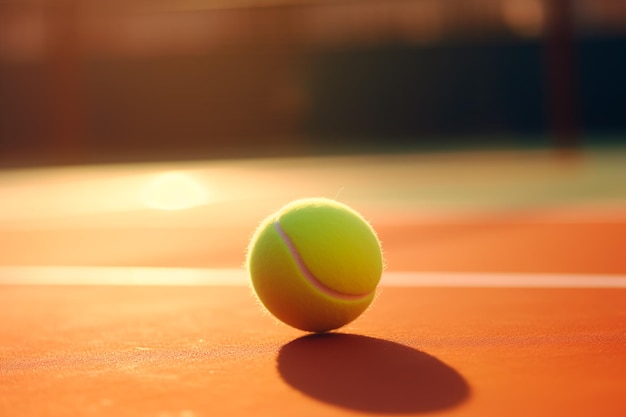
309 276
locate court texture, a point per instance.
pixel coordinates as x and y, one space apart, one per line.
123 291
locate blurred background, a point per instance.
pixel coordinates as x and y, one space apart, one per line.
90 81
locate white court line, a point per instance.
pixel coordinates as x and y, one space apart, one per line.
502 280
69 275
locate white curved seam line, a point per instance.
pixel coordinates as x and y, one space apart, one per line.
308 275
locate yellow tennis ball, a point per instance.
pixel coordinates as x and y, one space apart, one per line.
315 264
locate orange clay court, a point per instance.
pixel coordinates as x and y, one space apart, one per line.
122 289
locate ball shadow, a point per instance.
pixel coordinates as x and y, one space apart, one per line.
370 375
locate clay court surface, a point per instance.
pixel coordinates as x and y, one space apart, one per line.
122 291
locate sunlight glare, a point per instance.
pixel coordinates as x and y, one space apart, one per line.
174 191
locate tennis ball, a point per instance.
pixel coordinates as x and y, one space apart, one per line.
315 264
